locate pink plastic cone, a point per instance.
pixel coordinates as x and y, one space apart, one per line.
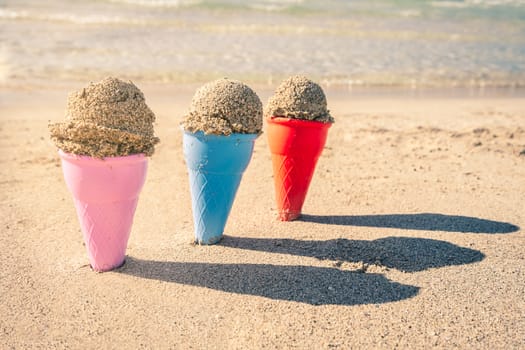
106 193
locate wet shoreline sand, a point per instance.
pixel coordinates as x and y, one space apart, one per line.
412 236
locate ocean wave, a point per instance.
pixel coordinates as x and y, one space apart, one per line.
353 48
274 6
478 3
66 17
159 3
259 5
13 14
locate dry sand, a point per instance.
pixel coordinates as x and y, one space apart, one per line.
413 237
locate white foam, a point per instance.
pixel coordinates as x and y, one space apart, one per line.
477 3
13 14
159 3
410 13
65 17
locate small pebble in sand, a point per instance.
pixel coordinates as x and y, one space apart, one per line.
223 107
299 98
106 119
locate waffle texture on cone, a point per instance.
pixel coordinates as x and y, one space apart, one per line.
299 98
106 119
224 107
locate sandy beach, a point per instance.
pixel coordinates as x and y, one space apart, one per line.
412 236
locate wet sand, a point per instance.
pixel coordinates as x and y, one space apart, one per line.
412 236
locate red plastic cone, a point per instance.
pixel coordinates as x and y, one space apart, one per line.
295 145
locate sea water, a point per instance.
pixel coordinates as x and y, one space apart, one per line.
408 43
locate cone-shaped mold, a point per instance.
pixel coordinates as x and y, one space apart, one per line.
105 193
295 146
215 164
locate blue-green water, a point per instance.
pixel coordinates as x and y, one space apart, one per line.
407 43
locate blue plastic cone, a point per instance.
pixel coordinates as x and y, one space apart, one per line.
215 165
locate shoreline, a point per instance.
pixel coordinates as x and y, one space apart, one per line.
359 90
177 97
